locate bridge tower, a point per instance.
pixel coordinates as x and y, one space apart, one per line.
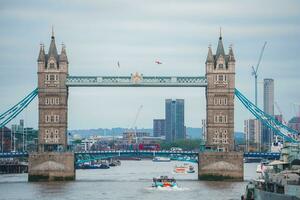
53 98
219 161
220 74
52 161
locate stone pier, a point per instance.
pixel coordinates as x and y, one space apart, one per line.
217 166
51 166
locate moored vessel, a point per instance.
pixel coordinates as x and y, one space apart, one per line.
278 180
161 159
183 169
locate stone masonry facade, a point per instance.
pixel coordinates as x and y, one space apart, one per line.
220 74
53 98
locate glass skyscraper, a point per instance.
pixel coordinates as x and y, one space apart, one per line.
159 127
174 116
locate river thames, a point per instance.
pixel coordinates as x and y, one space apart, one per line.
131 180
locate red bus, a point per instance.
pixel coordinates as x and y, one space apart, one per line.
152 147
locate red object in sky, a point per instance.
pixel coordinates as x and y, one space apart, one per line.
158 62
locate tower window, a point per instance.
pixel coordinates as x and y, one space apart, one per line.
225 101
52 66
215 101
56 118
220 118
221 66
221 77
52 77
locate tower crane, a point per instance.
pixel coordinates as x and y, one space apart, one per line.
280 112
135 119
255 70
137 115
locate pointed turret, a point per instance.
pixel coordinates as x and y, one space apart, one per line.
231 55
52 49
210 57
220 49
41 57
63 55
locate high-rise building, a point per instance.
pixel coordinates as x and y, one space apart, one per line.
5 139
174 113
267 134
294 123
159 127
269 96
252 129
18 136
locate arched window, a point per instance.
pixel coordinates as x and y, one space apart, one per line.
52 66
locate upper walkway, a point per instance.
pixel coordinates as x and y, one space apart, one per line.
136 80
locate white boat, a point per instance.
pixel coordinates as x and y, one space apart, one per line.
161 159
183 169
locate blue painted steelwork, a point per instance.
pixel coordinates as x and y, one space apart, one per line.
136 80
137 153
288 134
85 155
266 155
14 155
10 114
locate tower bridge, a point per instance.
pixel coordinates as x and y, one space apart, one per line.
54 162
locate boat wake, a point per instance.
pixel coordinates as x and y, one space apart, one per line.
175 188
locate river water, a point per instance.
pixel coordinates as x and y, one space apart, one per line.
131 180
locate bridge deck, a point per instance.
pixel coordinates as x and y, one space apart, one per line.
145 152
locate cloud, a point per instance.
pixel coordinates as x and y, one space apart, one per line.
100 33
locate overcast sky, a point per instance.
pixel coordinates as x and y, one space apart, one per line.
98 34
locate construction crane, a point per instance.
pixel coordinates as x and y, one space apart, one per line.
255 70
280 112
137 115
134 122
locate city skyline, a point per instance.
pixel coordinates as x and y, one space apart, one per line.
178 39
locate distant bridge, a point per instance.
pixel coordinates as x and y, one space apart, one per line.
143 153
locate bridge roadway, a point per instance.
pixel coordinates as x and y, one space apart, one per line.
142 153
